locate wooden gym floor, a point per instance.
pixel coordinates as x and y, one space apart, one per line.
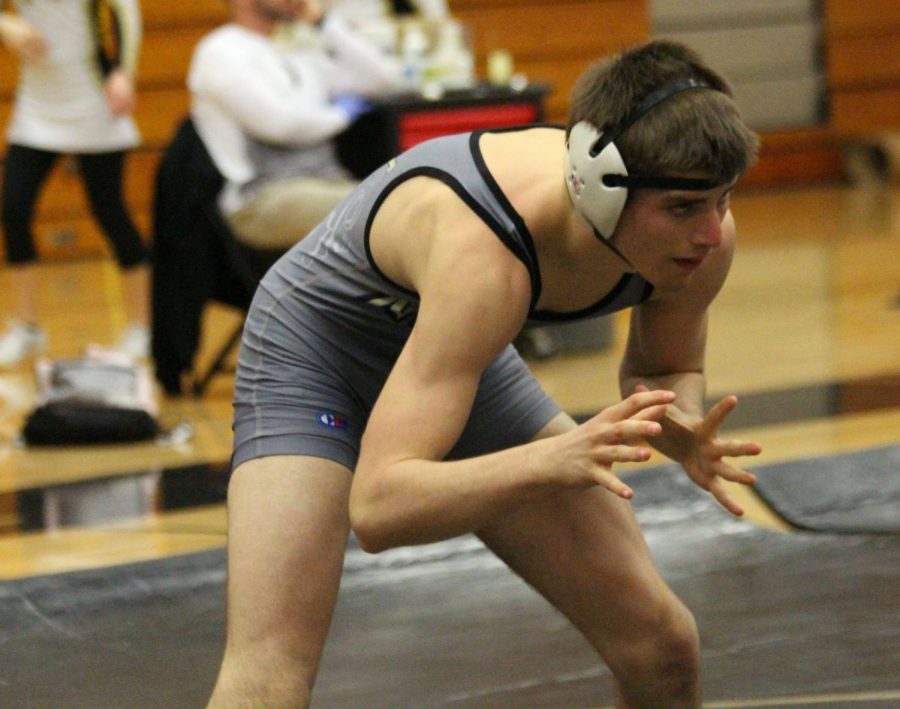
806 332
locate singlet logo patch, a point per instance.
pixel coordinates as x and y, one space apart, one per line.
399 309
333 420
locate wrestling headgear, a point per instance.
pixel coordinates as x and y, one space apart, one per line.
596 175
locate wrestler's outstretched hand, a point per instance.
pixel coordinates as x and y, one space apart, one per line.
585 455
701 452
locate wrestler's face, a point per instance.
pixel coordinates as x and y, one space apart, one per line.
667 235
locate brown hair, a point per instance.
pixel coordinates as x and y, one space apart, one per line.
698 130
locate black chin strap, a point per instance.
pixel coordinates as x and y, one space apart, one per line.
609 245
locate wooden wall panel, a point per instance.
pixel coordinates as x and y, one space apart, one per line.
862 17
159 111
795 157
9 68
558 29
859 61
184 13
5 114
866 111
552 42
862 42
166 55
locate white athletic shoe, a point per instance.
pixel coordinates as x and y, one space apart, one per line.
19 342
135 342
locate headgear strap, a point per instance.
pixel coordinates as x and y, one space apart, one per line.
596 175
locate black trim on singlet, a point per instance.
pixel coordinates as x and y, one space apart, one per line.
528 258
609 245
460 191
546 315
534 268
554 316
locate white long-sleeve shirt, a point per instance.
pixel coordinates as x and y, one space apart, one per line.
60 101
363 10
249 89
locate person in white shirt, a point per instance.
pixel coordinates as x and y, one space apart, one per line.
72 98
270 90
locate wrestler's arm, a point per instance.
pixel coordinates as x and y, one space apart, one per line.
666 349
474 298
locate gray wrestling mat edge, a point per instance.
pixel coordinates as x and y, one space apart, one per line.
850 493
442 625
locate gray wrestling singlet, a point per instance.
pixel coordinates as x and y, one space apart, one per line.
326 326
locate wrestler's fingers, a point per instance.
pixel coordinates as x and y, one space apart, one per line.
629 431
736 449
635 403
651 413
718 491
733 474
608 455
716 416
606 479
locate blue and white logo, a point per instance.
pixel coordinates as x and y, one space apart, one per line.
333 420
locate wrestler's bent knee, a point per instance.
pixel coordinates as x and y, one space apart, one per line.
662 668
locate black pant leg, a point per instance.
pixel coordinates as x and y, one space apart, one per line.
25 171
102 173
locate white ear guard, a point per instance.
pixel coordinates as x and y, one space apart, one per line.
596 175
600 204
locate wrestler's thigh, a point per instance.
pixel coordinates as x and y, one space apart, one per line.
584 551
288 524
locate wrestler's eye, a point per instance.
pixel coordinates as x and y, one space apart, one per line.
684 209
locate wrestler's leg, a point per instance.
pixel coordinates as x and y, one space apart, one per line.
287 531
584 551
